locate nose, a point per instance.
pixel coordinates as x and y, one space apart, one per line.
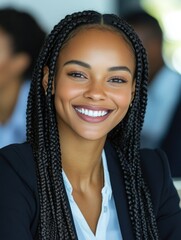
95 91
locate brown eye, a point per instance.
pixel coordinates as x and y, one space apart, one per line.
117 80
77 75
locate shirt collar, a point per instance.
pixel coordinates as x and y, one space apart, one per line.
107 184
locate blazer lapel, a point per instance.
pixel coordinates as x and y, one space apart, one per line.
119 194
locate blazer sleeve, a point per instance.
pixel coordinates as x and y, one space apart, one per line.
18 204
165 197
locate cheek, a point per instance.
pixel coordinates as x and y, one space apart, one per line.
66 92
122 100
123 103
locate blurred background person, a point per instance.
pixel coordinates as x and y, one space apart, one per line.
21 38
162 126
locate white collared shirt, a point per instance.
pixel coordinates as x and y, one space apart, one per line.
108 225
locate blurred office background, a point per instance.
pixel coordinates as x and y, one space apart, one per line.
168 12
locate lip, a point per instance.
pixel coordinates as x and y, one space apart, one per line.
92 114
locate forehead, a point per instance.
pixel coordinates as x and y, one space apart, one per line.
100 39
95 28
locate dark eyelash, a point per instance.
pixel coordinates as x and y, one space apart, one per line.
117 80
77 74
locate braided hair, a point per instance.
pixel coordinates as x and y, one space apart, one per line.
42 133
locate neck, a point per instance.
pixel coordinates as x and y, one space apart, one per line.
8 98
81 161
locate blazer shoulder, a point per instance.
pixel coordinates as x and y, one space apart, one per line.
155 169
19 204
19 158
154 160
21 148
165 198
156 172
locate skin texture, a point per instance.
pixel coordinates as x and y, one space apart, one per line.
93 74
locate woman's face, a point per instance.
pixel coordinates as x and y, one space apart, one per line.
94 84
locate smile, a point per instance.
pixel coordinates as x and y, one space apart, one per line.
91 113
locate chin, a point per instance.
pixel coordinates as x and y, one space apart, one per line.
93 137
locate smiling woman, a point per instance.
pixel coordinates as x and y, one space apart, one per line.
81 173
90 89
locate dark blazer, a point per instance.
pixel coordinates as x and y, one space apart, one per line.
19 205
171 143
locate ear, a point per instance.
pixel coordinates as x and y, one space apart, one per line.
45 80
133 90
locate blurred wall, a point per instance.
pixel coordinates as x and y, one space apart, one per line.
49 12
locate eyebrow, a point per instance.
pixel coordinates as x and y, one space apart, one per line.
80 63
86 65
118 68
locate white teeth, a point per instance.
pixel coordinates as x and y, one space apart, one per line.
91 113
